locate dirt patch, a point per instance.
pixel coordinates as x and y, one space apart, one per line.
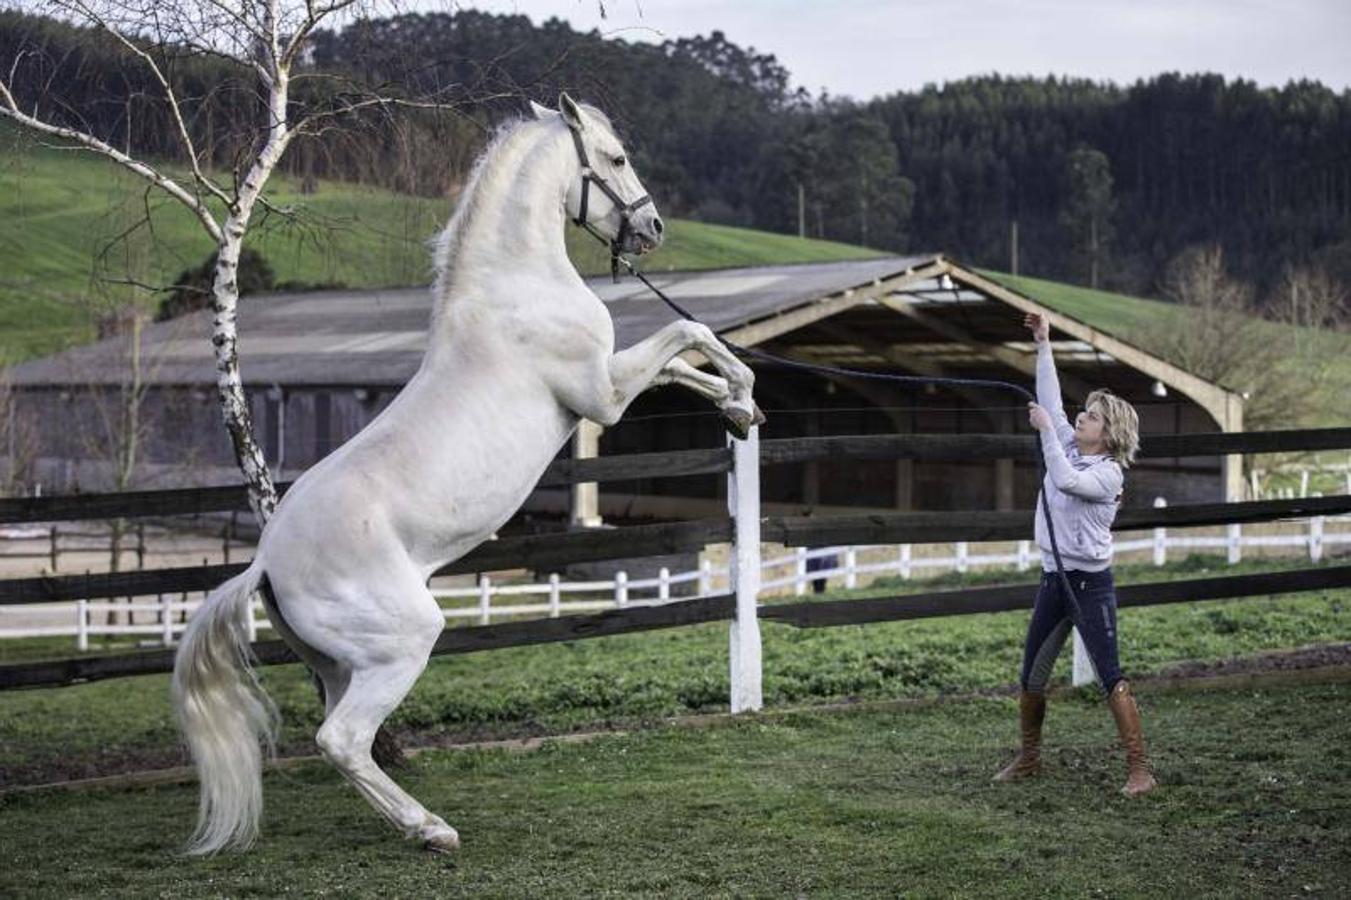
1276 661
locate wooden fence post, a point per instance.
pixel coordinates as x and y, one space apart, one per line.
621 588
1235 543
905 561
743 501
555 598
82 625
963 557
663 584
799 571
484 599
1024 555
850 568
1315 539
705 577
52 534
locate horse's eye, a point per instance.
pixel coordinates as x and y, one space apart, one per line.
619 162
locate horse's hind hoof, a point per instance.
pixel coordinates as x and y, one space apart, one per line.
442 840
738 422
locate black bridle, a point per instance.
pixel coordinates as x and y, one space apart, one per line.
626 210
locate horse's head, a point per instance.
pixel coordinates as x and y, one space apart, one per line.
605 193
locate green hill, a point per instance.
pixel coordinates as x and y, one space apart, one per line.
61 213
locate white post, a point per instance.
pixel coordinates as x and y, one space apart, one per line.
705 577
250 623
1160 537
743 501
663 584
850 568
484 599
82 625
166 620
555 598
621 589
1315 539
1304 482
963 560
1235 543
799 571
1024 555
1083 666
905 561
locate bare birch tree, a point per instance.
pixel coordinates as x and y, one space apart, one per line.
267 38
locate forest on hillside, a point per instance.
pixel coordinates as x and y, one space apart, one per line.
1107 184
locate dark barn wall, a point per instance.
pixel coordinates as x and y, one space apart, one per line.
185 441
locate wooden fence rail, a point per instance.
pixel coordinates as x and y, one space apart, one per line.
826 614
550 551
924 447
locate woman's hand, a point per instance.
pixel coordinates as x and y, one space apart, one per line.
1038 417
1041 329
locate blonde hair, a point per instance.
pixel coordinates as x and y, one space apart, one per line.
1121 425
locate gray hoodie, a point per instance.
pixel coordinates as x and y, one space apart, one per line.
1083 491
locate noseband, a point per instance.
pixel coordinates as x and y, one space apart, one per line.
626 210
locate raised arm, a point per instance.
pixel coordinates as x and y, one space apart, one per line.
1048 382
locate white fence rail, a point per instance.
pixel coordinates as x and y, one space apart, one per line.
161 621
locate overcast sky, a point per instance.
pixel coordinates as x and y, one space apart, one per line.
863 48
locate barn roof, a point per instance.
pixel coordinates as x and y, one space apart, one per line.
921 314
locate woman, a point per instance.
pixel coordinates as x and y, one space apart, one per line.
1085 466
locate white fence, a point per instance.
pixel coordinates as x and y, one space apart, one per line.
161 621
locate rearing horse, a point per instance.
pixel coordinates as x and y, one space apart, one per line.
519 350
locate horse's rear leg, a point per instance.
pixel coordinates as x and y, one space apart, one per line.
349 730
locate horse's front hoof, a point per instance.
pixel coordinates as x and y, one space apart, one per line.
443 839
738 422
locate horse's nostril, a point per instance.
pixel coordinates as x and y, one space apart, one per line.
657 226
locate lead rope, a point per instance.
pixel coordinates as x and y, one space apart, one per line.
617 259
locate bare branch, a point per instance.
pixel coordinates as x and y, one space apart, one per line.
10 109
175 108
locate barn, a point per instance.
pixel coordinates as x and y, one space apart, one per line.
318 366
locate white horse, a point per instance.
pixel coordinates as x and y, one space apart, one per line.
519 350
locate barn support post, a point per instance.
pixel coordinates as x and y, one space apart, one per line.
586 496
743 502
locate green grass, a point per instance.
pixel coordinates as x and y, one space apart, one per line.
1254 802
639 678
60 212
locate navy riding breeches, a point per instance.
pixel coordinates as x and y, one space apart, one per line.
1053 615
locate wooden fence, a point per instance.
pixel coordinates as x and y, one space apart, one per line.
745 528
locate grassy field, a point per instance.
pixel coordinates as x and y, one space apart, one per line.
883 799
877 802
635 679
60 213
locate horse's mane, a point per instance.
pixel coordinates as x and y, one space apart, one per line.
447 241
446 245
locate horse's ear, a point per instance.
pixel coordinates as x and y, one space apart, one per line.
572 113
540 112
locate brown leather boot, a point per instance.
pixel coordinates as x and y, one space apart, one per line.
1139 780
1031 713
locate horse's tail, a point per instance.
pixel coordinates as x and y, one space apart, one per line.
224 716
